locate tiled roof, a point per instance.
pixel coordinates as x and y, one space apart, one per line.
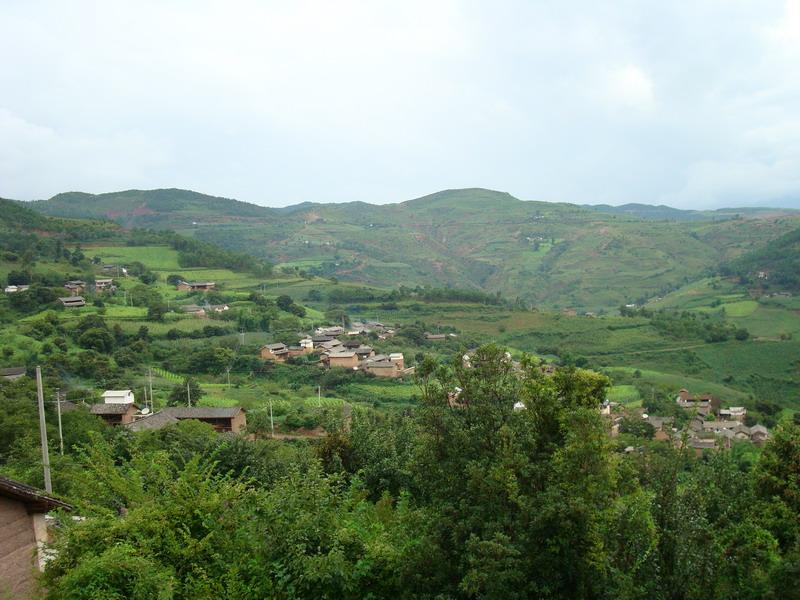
34 499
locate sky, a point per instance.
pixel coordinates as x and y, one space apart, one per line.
690 103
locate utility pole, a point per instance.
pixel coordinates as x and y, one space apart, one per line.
241 336
150 377
271 421
60 432
228 372
48 485
188 393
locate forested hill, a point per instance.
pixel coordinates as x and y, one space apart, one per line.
544 254
23 230
776 265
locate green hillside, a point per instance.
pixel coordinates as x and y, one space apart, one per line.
776 265
161 209
544 254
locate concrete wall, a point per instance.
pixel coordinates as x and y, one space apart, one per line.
17 550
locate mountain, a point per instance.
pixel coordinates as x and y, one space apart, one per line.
166 208
667 213
545 254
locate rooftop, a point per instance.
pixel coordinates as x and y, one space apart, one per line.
35 500
111 409
202 412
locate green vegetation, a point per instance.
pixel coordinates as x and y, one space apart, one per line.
536 253
433 486
422 505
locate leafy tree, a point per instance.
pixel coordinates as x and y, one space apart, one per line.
96 338
186 392
19 278
284 302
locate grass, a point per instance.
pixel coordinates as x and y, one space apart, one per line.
158 258
625 394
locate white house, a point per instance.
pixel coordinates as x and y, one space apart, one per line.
118 396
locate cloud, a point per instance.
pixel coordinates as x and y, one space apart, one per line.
629 87
40 157
277 102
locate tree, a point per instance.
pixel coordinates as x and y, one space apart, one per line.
638 427
180 397
19 278
156 311
97 339
284 302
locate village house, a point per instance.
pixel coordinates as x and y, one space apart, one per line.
701 444
661 425
13 289
328 346
196 286
277 352
304 346
194 310
715 426
23 535
223 420
435 337
332 331
73 302
340 359
759 434
152 422
118 396
104 285
217 308
381 365
75 286
13 373
360 328
115 414
733 413
364 352
703 403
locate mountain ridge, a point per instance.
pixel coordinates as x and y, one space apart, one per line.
550 254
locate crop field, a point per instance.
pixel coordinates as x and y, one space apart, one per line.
157 258
625 394
676 381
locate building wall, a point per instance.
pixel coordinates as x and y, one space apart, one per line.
347 363
239 422
267 354
128 417
17 550
384 372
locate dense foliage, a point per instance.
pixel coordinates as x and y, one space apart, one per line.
467 497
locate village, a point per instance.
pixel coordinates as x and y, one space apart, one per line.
708 425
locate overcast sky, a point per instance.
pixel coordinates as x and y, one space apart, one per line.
689 103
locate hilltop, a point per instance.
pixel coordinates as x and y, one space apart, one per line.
159 209
544 254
